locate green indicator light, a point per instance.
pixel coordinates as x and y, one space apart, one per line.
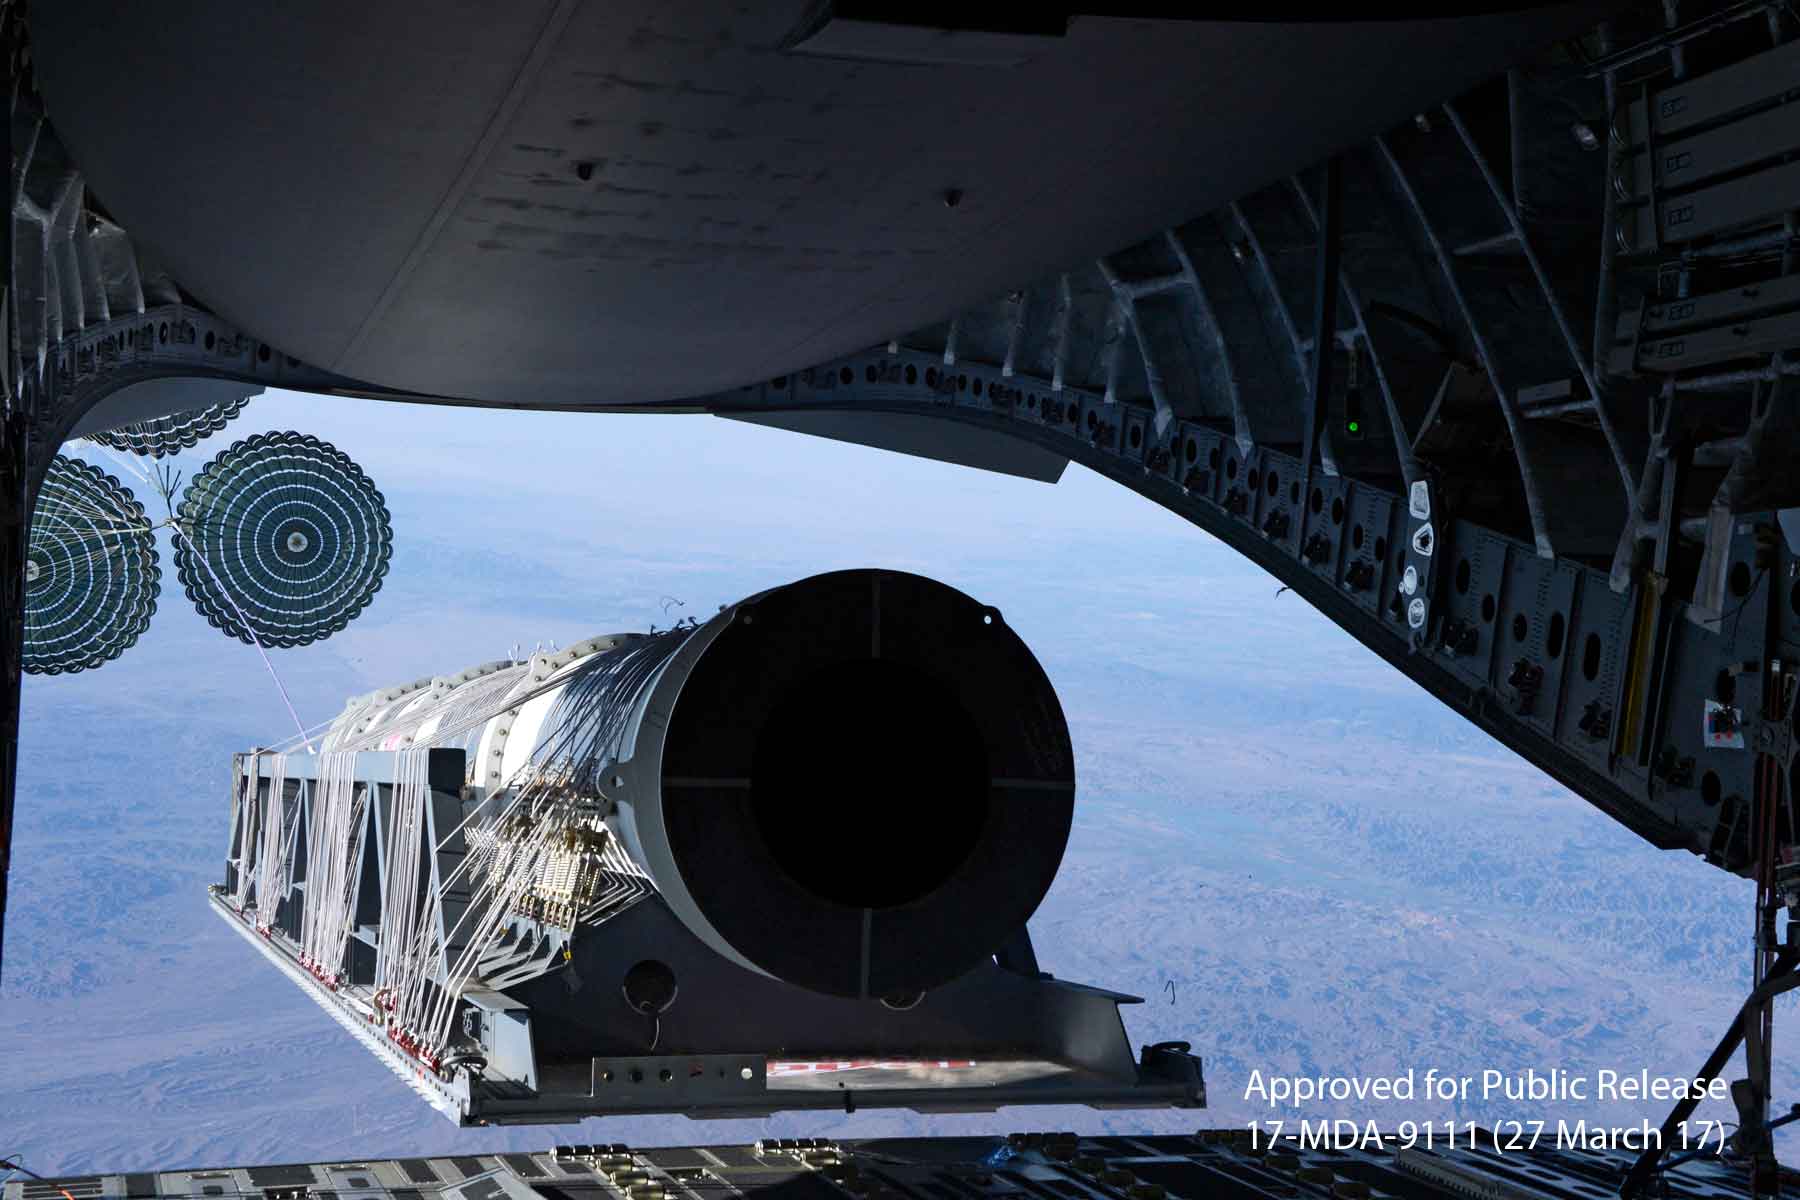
1354 426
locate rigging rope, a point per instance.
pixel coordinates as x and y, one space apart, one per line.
547 833
551 797
273 674
334 854
278 830
249 825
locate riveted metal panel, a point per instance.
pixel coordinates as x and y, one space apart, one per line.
1372 521
1470 598
1532 623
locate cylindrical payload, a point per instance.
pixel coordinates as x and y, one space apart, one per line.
860 783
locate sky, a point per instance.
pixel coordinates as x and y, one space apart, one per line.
1301 861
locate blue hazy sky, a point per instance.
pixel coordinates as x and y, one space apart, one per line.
641 508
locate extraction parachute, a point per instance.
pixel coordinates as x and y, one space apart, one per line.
159 437
280 540
810 829
91 571
283 540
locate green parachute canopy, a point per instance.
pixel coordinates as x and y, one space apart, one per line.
91 572
283 540
162 436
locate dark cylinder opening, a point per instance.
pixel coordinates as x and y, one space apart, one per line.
865 784
879 753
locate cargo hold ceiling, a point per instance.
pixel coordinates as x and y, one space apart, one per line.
559 203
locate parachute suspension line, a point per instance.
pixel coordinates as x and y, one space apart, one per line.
279 686
403 896
488 908
411 916
591 714
334 852
504 878
276 851
165 479
293 741
417 943
107 521
502 892
248 831
126 462
317 865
